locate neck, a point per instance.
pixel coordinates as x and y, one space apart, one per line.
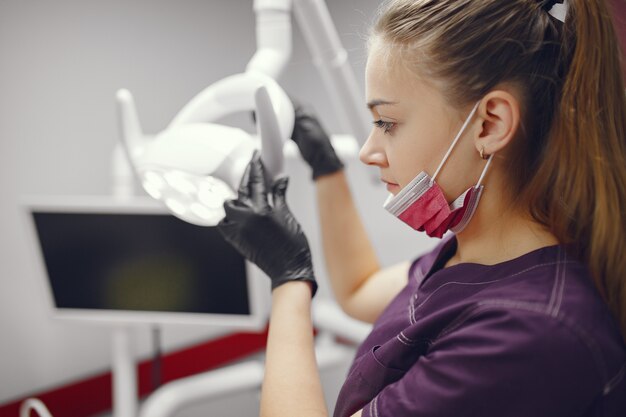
499 232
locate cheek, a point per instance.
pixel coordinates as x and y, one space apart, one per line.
406 160
420 148
412 152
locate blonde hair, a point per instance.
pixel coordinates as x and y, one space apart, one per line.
569 164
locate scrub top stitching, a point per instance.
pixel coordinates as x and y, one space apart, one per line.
403 339
419 277
374 407
407 341
557 307
559 285
614 381
414 308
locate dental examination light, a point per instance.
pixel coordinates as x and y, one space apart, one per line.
194 167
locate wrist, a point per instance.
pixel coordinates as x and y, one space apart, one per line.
301 274
294 293
328 176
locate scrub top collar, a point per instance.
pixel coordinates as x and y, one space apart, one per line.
447 249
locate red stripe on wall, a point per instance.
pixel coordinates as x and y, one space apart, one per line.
93 395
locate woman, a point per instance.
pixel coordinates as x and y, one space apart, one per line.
505 122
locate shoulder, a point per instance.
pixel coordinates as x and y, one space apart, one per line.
564 344
561 299
519 346
553 290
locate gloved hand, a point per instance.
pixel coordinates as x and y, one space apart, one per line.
314 143
267 235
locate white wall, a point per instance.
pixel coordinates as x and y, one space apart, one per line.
60 65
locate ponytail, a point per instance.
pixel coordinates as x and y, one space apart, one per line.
579 190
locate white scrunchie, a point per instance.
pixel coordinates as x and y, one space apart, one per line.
559 11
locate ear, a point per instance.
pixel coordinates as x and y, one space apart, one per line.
499 117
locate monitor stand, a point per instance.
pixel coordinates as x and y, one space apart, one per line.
124 373
124 370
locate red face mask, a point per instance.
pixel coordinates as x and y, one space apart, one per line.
423 206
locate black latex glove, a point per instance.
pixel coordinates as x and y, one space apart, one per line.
267 234
314 143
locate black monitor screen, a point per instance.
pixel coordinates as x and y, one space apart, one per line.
146 262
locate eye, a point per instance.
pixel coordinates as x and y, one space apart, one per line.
386 126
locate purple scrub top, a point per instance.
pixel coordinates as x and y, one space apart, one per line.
529 337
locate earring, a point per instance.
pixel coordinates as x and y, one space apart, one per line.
482 153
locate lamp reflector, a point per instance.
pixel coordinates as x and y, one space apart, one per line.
181 182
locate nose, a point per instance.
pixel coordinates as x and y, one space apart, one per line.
372 153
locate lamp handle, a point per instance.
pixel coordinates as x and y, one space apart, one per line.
269 131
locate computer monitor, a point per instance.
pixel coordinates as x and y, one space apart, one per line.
129 261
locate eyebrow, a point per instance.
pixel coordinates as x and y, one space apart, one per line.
379 102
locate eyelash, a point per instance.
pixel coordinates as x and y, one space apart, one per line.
386 126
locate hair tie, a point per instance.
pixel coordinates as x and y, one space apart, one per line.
556 8
548 4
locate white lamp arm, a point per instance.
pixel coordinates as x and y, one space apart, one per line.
34 404
331 59
127 149
130 127
170 398
235 94
328 317
273 37
274 49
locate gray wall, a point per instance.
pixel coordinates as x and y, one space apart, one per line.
60 65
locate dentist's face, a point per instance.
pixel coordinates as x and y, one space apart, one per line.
413 127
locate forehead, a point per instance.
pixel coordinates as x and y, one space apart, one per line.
387 77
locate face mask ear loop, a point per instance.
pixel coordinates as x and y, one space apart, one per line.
482 176
454 142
